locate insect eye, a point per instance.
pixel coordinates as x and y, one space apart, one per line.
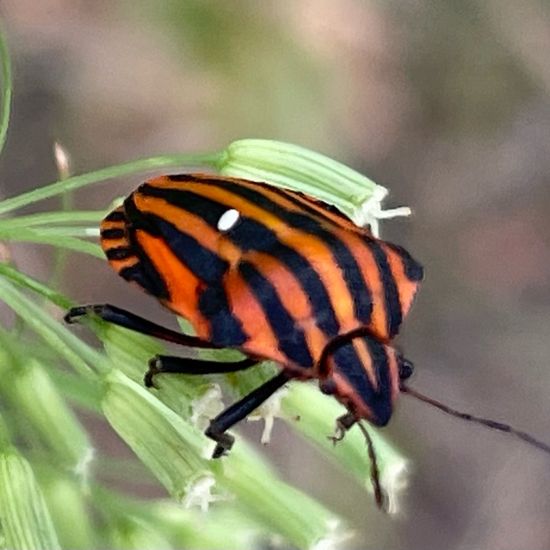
228 219
406 368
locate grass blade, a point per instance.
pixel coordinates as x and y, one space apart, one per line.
53 218
7 86
40 237
25 281
69 346
210 160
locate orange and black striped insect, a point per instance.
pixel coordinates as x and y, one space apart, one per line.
276 275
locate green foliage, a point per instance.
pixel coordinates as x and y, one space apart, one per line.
26 521
51 493
5 65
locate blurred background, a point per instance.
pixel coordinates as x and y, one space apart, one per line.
445 103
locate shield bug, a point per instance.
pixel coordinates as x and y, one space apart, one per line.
277 275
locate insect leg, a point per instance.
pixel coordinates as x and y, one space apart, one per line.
343 424
168 364
379 495
126 319
240 410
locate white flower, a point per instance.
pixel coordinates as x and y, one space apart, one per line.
334 537
207 406
395 479
268 411
82 467
370 212
199 493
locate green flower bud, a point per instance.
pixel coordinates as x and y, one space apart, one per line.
280 508
25 519
317 419
292 167
170 447
134 533
223 528
68 509
44 407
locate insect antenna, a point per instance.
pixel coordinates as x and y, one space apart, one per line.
494 425
379 496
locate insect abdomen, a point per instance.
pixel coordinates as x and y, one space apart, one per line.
125 258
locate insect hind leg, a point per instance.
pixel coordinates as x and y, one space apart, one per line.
123 318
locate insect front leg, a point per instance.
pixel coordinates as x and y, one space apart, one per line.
343 424
238 411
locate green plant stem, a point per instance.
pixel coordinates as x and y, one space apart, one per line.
57 231
69 346
54 217
67 203
39 237
211 160
11 273
6 89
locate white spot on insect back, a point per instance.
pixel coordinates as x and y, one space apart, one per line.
228 219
